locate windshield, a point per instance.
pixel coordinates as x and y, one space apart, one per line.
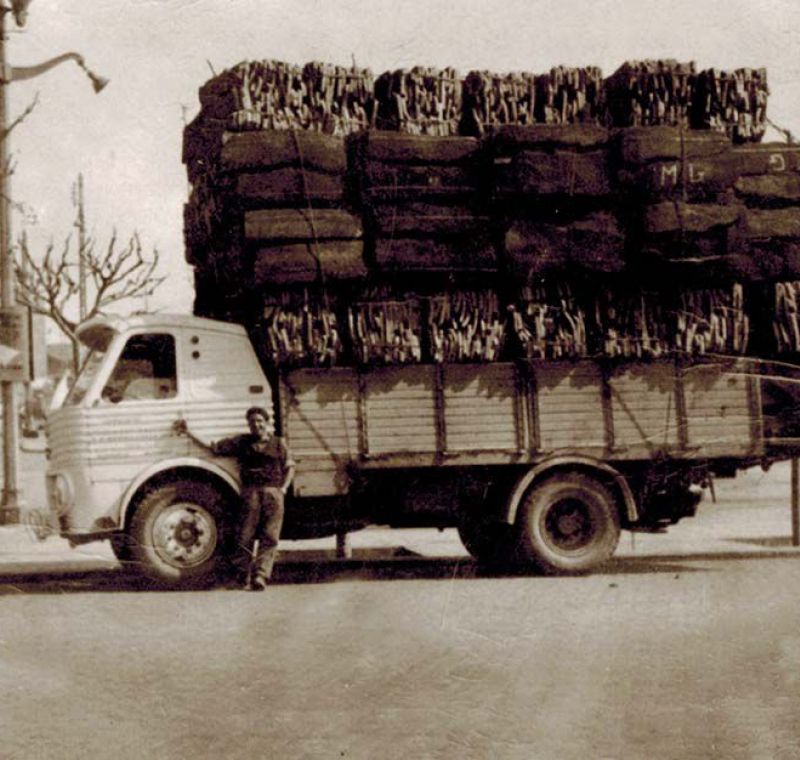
91 366
97 338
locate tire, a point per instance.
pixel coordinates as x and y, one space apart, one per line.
178 533
121 546
568 524
485 540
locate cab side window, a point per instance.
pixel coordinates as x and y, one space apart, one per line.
146 370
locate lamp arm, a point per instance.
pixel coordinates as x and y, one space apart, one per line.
17 73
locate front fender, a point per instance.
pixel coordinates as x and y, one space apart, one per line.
564 462
226 472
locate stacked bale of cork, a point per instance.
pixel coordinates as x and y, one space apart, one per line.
420 184
649 93
685 227
552 196
675 94
554 199
676 185
566 183
733 102
769 187
548 321
270 210
675 170
421 189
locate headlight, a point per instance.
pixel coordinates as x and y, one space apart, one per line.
60 493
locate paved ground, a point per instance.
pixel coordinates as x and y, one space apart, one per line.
684 647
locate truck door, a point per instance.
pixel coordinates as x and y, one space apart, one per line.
140 398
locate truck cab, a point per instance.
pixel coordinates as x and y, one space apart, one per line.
116 467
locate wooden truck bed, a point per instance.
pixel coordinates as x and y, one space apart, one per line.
488 414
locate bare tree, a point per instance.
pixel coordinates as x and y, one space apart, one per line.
50 284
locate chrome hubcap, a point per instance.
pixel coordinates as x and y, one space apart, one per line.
184 535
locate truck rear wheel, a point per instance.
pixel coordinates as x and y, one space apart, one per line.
177 532
568 523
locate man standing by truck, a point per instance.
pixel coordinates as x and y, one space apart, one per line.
266 471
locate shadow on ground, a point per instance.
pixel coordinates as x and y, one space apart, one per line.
401 565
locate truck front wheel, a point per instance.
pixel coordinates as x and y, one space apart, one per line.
177 532
568 523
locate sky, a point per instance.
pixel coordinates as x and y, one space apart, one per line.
126 141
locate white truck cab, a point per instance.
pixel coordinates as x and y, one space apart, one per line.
117 469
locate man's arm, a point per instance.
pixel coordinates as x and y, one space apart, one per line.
289 468
225 447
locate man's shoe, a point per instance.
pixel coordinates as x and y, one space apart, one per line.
259 583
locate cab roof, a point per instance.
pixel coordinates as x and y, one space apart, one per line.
114 323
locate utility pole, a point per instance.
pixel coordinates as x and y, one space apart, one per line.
10 317
11 495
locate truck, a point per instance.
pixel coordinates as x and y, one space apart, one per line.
535 462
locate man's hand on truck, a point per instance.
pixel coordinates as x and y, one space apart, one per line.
179 427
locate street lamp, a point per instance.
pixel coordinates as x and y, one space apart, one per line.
12 494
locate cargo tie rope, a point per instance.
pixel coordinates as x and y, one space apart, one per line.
313 246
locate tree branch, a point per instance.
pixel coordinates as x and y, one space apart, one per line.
24 115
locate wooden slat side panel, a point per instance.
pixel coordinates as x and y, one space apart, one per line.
570 406
644 407
718 415
400 409
320 413
480 407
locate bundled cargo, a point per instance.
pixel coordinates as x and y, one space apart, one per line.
631 325
649 93
466 326
304 245
422 199
490 99
386 331
712 321
674 163
691 232
317 174
283 169
767 158
298 332
561 172
451 253
271 96
769 188
786 320
594 241
391 166
567 95
202 220
732 102
544 160
341 99
550 323
418 101
772 238
275 95
561 96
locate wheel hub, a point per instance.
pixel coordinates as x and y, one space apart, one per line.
184 534
569 525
